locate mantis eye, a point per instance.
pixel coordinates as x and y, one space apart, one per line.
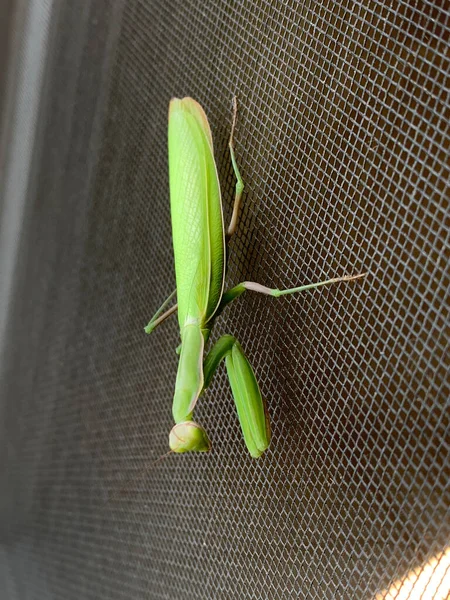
189 437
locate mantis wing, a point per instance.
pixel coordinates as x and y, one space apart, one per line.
196 209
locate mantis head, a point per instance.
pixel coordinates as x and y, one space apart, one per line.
188 436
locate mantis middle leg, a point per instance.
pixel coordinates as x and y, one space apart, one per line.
158 318
239 289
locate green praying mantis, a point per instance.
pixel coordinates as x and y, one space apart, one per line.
200 249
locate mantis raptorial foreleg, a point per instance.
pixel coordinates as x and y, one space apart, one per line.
250 406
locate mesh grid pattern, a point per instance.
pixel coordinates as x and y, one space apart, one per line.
343 143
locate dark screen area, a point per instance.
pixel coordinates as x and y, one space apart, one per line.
343 143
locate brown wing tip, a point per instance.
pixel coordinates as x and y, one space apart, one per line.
195 109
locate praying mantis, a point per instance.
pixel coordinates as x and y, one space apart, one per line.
200 250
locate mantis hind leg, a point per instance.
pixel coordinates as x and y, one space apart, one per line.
239 181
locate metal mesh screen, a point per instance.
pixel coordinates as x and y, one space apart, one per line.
343 142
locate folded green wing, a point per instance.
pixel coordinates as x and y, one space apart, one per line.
196 210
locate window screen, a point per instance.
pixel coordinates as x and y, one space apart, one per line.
343 142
